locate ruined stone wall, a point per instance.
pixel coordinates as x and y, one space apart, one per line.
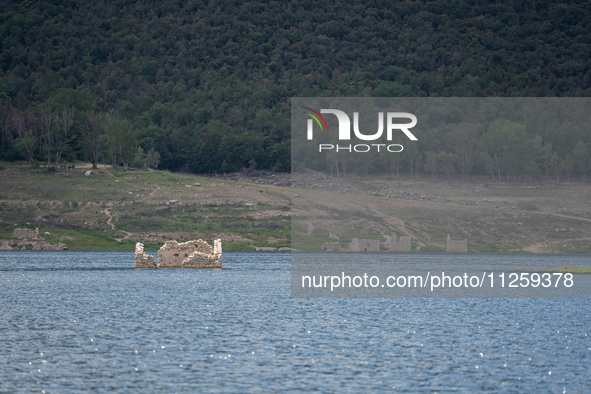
457 246
333 244
172 253
404 244
364 245
26 233
143 260
217 248
199 259
401 246
331 247
332 236
191 254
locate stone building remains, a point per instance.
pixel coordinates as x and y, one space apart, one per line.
457 246
26 233
401 246
31 239
143 260
332 246
368 245
191 254
364 245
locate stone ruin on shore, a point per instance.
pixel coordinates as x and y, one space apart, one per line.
191 254
369 245
26 233
30 238
457 246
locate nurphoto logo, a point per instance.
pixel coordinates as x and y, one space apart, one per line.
344 130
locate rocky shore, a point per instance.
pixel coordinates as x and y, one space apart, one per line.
35 245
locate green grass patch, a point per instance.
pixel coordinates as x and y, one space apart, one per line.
568 268
95 240
576 246
481 246
308 243
237 246
152 246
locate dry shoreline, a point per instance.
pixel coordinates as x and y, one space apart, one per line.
113 209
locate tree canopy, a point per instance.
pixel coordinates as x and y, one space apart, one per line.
206 85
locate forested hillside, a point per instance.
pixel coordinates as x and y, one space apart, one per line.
203 86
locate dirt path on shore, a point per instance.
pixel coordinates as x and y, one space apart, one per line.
110 223
562 216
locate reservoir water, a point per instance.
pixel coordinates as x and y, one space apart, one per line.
74 322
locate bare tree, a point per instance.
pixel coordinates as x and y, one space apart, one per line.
412 157
464 143
122 140
5 130
26 137
582 159
47 121
92 136
64 120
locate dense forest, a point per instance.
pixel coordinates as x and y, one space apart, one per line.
506 138
205 86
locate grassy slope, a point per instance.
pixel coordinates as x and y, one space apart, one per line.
111 209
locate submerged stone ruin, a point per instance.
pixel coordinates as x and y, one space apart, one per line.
143 260
191 254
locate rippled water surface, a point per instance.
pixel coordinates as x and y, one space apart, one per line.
87 321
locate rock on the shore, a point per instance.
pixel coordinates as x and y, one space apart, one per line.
36 245
7 245
143 260
46 246
265 249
